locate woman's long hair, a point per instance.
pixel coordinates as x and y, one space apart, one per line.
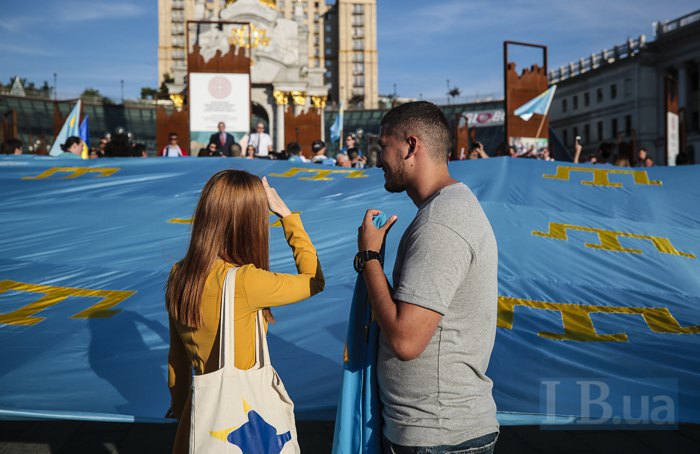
231 222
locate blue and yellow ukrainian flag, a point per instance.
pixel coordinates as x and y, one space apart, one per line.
85 137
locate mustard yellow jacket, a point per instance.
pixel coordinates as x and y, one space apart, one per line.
198 348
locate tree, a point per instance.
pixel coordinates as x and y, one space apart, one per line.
148 93
94 95
356 101
454 92
91 93
163 92
30 88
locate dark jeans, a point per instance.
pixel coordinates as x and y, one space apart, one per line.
480 445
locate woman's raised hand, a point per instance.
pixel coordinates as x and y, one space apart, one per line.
274 201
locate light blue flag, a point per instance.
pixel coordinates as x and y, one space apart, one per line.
337 126
538 105
358 420
70 128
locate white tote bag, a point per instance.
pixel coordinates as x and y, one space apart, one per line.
235 410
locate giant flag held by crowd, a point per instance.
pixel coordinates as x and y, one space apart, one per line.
599 284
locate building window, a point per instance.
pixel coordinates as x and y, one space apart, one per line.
599 95
358 57
600 131
587 134
575 132
614 128
563 105
575 103
565 136
628 125
586 99
613 91
628 87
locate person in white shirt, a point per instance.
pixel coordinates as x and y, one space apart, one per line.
172 150
261 141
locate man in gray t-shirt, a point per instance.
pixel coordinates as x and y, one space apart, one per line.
439 323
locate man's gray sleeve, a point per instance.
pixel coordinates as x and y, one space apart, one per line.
435 262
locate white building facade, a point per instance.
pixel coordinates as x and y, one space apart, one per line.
619 94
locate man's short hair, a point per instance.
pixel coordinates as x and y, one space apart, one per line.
318 145
10 145
293 148
236 150
424 120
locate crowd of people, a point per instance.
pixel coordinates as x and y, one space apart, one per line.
605 153
258 145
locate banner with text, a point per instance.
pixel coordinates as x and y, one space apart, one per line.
599 284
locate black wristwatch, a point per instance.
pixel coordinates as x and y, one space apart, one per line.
363 257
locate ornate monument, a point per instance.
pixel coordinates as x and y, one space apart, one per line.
283 85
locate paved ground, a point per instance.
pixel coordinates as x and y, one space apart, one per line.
76 437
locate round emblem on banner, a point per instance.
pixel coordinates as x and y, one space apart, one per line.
483 117
219 87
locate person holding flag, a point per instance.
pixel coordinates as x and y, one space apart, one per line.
72 149
70 130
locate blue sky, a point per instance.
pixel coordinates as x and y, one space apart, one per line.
421 44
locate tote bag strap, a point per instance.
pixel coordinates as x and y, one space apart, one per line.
262 351
226 333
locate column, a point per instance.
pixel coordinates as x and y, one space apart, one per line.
696 127
281 100
682 86
279 133
319 102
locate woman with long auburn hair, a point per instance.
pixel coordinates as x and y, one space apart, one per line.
230 228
